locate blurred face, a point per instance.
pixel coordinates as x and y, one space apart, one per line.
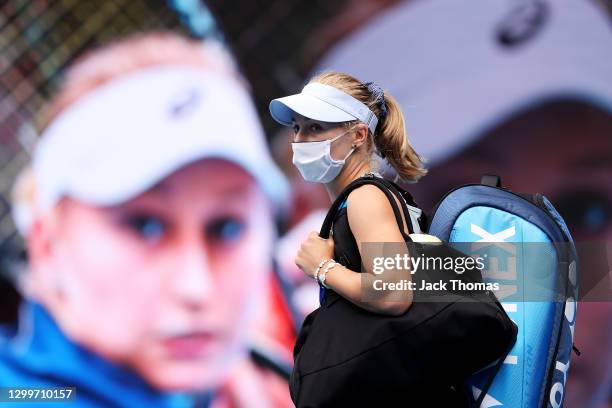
563 150
166 282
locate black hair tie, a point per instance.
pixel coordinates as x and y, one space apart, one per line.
379 97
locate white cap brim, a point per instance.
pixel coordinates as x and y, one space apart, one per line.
324 103
107 182
455 80
124 137
283 109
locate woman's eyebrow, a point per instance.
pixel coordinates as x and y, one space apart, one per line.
161 188
236 191
302 120
150 200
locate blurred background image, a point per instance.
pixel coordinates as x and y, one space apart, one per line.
518 88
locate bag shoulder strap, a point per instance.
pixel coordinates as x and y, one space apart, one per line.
329 218
405 199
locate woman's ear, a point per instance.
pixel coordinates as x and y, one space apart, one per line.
39 242
38 248
45 281
361 134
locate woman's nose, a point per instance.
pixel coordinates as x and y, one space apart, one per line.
193 281
300 137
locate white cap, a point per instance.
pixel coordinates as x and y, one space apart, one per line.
125 136
322 102
454 78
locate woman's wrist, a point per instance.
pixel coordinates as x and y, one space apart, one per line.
322 277
315 275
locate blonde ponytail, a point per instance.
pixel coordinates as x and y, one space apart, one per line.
390 138
392 142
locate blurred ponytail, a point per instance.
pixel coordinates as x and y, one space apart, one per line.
390 138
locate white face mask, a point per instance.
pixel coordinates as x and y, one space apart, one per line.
314 161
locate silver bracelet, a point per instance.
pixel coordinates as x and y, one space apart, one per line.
316 274
323 276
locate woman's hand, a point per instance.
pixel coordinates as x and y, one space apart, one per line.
312 251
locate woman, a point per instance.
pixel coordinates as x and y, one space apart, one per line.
339 123
149 220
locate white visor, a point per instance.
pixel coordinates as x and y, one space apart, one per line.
127 135
322 102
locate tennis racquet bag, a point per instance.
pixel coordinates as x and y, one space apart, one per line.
534 372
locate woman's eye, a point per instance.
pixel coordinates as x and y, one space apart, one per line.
585 211
225 229
315 127
296 129
148 227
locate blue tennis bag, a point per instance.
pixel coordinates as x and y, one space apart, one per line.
534 373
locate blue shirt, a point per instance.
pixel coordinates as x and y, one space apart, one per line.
40 355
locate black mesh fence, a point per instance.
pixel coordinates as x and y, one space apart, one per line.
275 44
38 39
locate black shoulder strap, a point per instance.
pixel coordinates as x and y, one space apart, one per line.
329 218
406 194
403 199
422 220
